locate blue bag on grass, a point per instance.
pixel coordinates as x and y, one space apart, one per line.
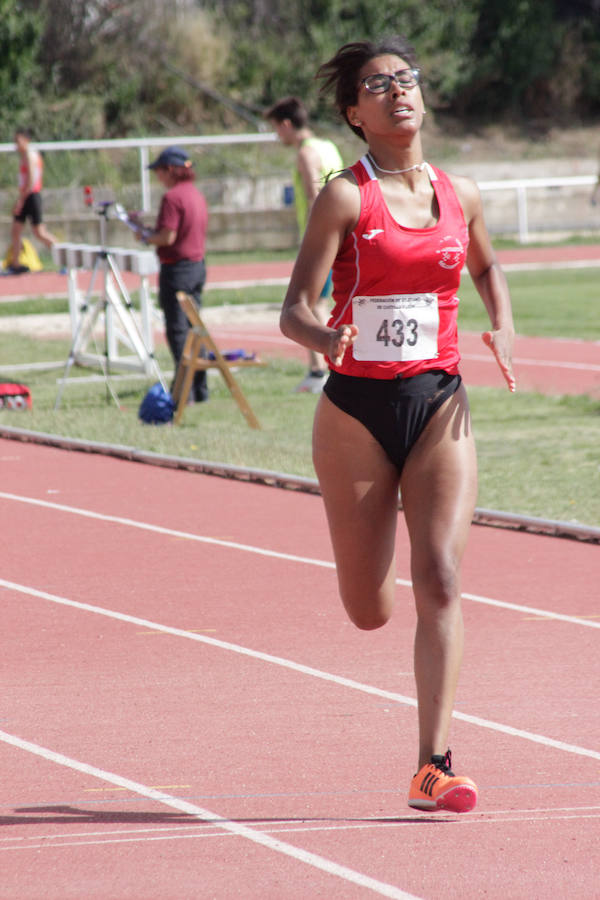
157 407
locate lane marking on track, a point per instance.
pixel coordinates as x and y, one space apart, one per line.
298 667
181 832
275 554
543 363
155 787
226 825
249 336
227 334
538 614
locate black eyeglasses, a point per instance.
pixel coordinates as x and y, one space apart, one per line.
380 83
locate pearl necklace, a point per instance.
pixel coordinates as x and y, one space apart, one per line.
418 167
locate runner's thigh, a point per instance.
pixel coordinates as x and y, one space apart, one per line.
359 485
439 488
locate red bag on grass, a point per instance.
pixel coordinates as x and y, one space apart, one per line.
15 396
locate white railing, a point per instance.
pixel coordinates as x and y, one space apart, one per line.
521 185
518 186
144 144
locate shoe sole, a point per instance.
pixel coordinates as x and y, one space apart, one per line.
460 799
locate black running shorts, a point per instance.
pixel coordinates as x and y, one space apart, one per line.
395 411
31 209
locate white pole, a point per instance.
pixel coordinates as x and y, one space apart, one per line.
522 212
145 179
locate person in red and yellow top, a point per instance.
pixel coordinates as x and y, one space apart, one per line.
394 413
179 236
29 201
317 159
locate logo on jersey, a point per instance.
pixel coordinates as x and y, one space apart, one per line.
372 233
451 252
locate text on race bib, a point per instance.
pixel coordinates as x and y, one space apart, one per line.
396 327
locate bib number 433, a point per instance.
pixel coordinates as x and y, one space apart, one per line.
398 327
398 332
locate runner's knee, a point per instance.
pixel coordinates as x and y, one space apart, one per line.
436 586
366 620
366 613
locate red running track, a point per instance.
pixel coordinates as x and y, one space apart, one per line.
518 257
187 713
541 364
53 283
546 365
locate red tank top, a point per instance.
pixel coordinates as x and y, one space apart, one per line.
399 284
36 163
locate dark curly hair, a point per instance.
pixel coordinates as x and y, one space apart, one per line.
341 71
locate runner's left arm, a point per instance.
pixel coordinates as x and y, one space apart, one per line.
489 279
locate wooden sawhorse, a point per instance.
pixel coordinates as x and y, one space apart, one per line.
192 361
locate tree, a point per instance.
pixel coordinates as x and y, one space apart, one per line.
20 31
114 67
481 58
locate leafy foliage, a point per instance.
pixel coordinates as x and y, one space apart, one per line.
481 58
20 32
122 67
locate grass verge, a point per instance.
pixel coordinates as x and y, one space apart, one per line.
562 303
538 455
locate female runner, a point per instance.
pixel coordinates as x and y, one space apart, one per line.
394 413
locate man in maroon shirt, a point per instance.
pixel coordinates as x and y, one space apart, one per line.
180 238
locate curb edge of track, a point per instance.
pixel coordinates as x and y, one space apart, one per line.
482 516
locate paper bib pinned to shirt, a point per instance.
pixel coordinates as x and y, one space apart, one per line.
396 327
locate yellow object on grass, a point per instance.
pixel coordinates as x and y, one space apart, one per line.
28 257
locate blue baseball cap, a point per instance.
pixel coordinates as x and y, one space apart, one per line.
171 156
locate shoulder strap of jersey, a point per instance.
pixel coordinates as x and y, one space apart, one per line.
363 171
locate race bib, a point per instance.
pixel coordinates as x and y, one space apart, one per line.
396 327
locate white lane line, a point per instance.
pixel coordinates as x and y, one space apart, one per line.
143 835
203 835
298 667
466 355
228 826
275 825
531 610
159 529
543 363
274 554
248 336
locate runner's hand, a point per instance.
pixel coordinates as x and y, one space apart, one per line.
340 341
500 343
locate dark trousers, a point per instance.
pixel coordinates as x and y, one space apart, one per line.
187 276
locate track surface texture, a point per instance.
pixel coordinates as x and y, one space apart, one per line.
187 712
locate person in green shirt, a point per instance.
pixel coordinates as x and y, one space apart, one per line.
317 159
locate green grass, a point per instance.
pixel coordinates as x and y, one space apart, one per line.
217 297
507 243
563 303
538 455
245 256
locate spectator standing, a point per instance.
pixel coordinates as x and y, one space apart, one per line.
317 159
179 236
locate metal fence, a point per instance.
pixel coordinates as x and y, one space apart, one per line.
144 145
524 207
539 206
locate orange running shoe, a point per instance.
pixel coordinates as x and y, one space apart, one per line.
435 786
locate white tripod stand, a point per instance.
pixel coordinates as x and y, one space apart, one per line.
114 302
